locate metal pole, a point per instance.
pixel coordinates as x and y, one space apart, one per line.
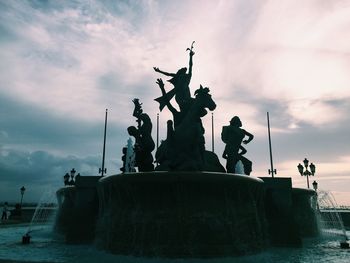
307 179
157 130
21 199
212 132
104 147
271 161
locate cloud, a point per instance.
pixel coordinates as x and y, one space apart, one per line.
63 63
38 171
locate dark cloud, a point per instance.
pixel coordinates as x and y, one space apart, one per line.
28 125
38 171
41 167
37 147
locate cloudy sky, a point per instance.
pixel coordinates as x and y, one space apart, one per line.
62 63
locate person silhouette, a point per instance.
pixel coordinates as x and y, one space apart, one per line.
4 211
233 136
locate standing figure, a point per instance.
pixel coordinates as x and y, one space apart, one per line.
181 81
144 144
233 136
4 211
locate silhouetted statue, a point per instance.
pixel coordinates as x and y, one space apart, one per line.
181 81
184 147
144 144
233 135
177 115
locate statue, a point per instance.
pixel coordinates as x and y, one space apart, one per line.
181 81
184 147
144 144
233 136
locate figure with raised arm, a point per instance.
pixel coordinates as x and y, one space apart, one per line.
144 144
181 81
233 136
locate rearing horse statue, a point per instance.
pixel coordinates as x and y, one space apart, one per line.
184 148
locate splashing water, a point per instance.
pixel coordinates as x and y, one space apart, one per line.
330 219
130 158
42 214
239 169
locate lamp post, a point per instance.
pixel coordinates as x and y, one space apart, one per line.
22 193
72 173
307 173
315 186
66 179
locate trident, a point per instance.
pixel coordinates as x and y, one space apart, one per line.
190 49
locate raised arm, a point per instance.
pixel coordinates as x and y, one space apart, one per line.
163 72
137 110
190 63
167 102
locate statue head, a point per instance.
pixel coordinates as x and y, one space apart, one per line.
181 71
207 101
235 121
132 130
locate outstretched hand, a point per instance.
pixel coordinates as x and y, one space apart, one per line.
156 69
160 82
137 102
191 53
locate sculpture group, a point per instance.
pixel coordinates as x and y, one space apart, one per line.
184 147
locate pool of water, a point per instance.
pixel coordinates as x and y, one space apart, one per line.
48 247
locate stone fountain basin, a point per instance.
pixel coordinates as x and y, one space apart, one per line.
181 214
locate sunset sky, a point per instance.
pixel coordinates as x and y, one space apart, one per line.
62 63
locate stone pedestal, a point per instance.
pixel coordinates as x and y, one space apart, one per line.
281 226
181 214
304 211
78 210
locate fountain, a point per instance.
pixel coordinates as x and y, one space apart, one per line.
188 205
42 215
330 219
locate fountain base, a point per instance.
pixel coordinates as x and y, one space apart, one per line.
181 214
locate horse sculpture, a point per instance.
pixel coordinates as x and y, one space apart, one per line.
184 147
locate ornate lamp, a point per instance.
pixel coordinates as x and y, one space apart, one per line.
72 173
307 173
300 168
312 168
66 179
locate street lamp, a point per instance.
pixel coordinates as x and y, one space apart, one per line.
66 179
307 173
72 173
22 193
315 186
